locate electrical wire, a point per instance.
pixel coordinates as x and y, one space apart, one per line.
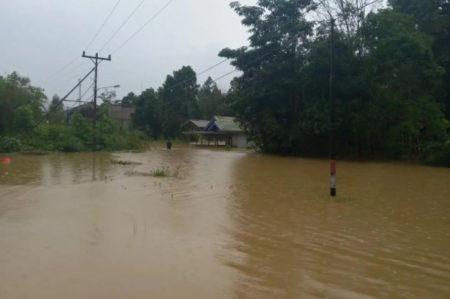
61 69
103 25
63 99
143 26
72 61
122 25
82 96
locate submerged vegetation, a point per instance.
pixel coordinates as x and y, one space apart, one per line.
161 172
392 88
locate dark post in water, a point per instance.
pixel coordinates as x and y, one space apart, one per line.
332 117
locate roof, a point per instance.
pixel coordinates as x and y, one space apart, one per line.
201 123
224 123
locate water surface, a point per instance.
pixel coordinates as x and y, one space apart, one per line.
223 225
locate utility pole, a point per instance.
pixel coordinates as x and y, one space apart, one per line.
333 178
79 89
95 59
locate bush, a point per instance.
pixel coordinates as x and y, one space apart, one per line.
438 154
58 138
10 144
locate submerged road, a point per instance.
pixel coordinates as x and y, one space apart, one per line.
221 225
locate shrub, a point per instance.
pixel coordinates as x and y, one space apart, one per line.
10 144
438 154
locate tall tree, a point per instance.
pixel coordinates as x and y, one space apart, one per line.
210 99
268 96
17 95
147 117
402 79
178 100
57 114
433 18
129 100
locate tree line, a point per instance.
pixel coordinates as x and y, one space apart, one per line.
392 78
392 74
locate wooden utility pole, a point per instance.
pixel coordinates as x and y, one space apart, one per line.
95 59
333 179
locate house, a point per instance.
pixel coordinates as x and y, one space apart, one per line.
194 125
221 131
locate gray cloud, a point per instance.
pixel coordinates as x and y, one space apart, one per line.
38 37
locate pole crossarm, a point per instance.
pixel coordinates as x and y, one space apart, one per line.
95 59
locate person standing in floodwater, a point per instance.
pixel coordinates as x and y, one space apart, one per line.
169 144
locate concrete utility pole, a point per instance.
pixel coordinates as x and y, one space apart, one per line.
79 90
333 179
95 59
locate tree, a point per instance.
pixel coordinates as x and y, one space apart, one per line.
210 99
268 96
402 78
178 100
433 18
107 96
147 117
19 97
129 100
57 114
350 14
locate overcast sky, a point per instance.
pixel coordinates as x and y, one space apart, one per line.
39 37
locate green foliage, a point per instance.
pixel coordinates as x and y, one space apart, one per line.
21 104
432 17
57 114
210 99
10 144
59 138
129 100
388 84
178 100
147 117
23 119
438 154
160 172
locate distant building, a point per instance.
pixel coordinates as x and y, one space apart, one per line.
220 131
123 115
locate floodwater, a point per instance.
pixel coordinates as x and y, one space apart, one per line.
222 225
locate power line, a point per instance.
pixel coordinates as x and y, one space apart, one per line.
72 61
199 74
225 75
103 25
82 96
143 26
63 99
235 70
61 69
121 25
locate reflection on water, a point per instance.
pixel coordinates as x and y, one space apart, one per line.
228 225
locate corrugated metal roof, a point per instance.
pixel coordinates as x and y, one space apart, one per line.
227 123
199 122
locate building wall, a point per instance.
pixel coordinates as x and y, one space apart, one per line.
121 114
240 141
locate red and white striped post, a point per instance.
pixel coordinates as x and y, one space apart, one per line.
333 179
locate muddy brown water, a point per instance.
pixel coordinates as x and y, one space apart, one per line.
223 225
